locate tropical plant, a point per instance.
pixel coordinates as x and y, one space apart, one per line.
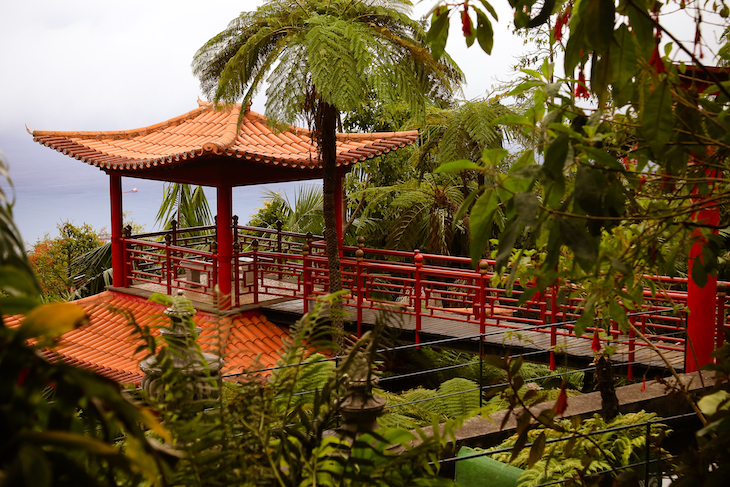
610 193
302 215
583 451
60 424
185 204
52 259
275 430
421 214
324 57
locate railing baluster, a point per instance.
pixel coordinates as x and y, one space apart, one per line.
483 266
168 263
359 255
255 248
719 330
418 261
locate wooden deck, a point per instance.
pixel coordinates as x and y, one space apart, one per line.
570 350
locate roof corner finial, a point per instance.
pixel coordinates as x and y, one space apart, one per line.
27 129
201 102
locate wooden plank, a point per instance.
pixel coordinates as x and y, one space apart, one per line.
500 336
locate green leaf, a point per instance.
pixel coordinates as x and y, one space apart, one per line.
490 9
618 314
506 242
587 192
494 156
602 157
623 65
36 468
555 157
657 120
601 75
439 32
484 33
538 448
642 28
49 321
584 247
480 223
527 206
699 273
586 317
710 403
457 166
17 305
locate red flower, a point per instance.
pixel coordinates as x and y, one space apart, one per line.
580 87
466 21
643 385
22 375
560 22
656 60
596 343
642 181
562 403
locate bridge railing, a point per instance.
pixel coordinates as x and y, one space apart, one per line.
270 264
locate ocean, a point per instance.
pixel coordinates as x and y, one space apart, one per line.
51 188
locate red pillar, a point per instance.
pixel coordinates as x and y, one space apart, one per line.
701 301
340 206
115 196
225 242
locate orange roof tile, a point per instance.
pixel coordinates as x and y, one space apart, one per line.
208 131
107 346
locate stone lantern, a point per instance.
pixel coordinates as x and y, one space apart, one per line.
360 409
201 370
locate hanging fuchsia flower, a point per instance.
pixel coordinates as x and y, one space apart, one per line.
656 60
581 91
643 385
562 403
466 21
561 22
596 343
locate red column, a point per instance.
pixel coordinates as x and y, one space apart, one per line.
225 242
340 206
115 197
701 301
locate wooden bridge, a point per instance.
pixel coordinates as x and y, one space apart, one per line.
438 297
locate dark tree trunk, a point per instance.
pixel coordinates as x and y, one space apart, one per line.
326 120
604 383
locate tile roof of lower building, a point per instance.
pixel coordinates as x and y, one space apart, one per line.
210 130
107 344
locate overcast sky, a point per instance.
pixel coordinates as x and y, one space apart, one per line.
115 65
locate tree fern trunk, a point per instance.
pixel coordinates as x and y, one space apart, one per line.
326 121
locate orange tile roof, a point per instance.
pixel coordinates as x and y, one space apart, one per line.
208 131
106 346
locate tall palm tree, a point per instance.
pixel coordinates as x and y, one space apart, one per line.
323 57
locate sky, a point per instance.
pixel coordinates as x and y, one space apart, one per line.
118 65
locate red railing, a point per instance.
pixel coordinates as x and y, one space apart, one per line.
270 264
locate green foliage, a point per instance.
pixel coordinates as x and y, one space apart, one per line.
706 463
608 194
347 50
302 215
562 461
53 259
185 204
264 431
459 397
59 423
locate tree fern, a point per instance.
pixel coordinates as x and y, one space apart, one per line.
621 447
459 397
